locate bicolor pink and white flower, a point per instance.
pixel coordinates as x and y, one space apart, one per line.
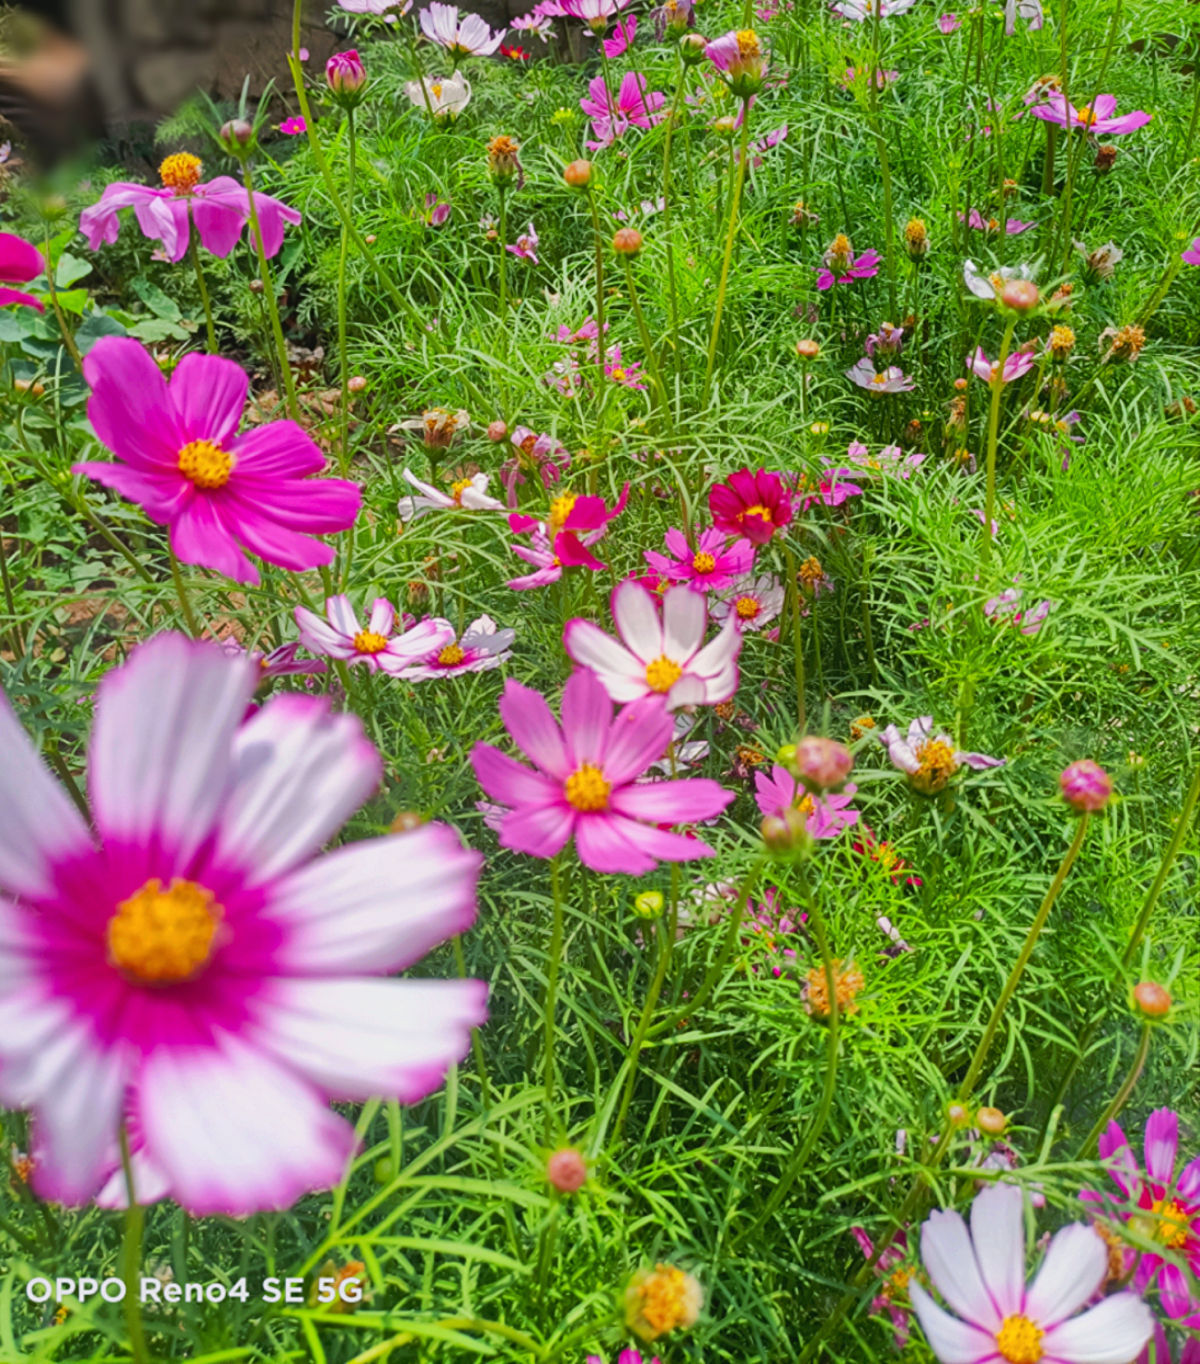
20 261
980 1273
857 11
825 815
181 458
466 494
550 557
595 13
661 649
481 648
929 758
191 967
751 603
711 567
1095 118
283 661
468 37
892 379
583 784
1020 362
635 106
626 373
535 24
445 97
378 646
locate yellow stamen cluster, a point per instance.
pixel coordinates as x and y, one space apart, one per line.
370 642
1173 1226
162 937
451 655
660 1300
896 1284
747 608
1019 1340
1116 1253
1062 341
703 563
1127 343
560 509
839 253
860 725
587 789
502 157
205 464
457 488
1086 116
440 424
726 710
662 673
916 237
749 756
748 44
180 172
938 765
846 984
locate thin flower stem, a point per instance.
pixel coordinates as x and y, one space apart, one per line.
131 1259
1121 1097
194 253
730 236
651 1002
555 957
599 244
343 359
59 316
647 343
503 305
993 432
672 291
793 590
185 602
268 281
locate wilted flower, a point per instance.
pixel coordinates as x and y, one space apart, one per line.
503 159
991 286
1101 263
848 981
888 340
930 759
1061 342
916 238
740 61
1123 343
1029 10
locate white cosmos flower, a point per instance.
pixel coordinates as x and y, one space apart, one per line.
658 654
1002 1320
441 25
470 494
448 95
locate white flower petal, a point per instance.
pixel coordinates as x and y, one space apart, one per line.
1112 1332
954 1271
684 620
637 620
1073 1269
954 1342
998 1235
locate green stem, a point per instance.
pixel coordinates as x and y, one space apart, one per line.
599 242
59 316
194 254
500 190
268 281
647 343
730 236
341 303
556 945
672 292
793 589
131 1259
185 602
1121 1097
993 433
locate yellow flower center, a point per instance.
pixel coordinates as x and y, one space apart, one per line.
587 789
664 1299
704 563
457 488
180 172
747 608
758 510
560 509
879 378
937 766
662 673
1086 116
370 642
162 937
451 655
205 464
436 89
748 44
1173 1226
897 1282
1019 1340
618 374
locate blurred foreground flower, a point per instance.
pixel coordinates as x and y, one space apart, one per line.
20 262
661 1300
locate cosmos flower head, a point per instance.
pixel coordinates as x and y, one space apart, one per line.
377 646
20 262
751 505
466 494
445 97
469 36
975 220
751 603
1018 363
929 758
481 648
526 245
826 815
990 286
710 567
842 266
740 61
1095 119
891 379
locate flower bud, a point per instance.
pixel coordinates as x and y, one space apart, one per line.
916 239
627 241
567 1170
822 764
578 174
370 239
1085 786
807 349
406 821
356 383
1151 999
503 161
347 77
496 431
786 755
648 905
1020 295
991 1120
237 138
691 48
256 286
725 126
958 1114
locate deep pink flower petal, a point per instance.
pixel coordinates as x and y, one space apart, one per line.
586 717
129 406
540 830
603 844
208 394
639 736
672 802
264 535
511 782
8 296
200 535
279 449
20 261
161 496
533 728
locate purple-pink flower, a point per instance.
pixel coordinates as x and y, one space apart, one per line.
949 22
340 635
191 967
825 815
635 106
842 266
584 786
1019 362
622 38
20 261
525 247
892 1297
1191 256
1013 226
928 758
710 567
892 379
1095 118
181 458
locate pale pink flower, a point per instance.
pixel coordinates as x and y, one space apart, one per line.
469 36
466 494
1019 362
930 760
750 603
340 636
481 648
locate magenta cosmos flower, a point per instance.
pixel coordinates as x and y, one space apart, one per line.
981 1275
481 648
1018 363
710 567
526 245
219 210
842 266
635 106
891 1268
1159 1203
930 760
585 786
190 968
283 661
470 37
658 654
549 558
831 489
20 262
374 645
183 461
1192 255
570 514
752 506
825 815
1095 118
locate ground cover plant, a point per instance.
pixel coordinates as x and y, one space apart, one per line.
600 744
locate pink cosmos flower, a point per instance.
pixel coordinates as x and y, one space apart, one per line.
219 210
711 567
280 662
481 648
890 380
525 247
537 453
374 645
436 213
1029 10
831 490
635 106
388 9
740 61
1005 608
1160 1203
466 494
470 37
625 373
930 760
751 603
893 1295
20 262
1190 1353
981 1275
949 23
851 268
1018 363
1012 226
181 459
595 13
1191 256
1095 118
826 815
538 25
549 558
658 654
888 340
890 460
293 127
191 967
570 513
583 784
752 506
622 38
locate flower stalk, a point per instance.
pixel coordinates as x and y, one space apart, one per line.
730 236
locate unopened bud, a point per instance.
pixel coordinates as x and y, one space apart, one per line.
496 431
627 241
406 821
346 75
691 48
1020 295
959 1115
567 1170
648 905
1151 999
822 764
370 239
991 1120
237 137
787 835
356 383
578 174
256 286
807 349
1085 786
